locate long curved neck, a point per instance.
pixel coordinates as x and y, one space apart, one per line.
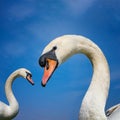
13 104
94 101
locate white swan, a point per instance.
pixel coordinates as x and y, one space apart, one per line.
93 104
7 112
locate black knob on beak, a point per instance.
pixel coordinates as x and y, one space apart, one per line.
42 61
50 55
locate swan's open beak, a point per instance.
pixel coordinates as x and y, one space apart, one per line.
48 70
29 78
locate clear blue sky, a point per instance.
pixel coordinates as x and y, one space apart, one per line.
27 26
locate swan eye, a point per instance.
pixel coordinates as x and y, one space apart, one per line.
55 47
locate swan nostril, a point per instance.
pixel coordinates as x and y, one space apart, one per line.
47 65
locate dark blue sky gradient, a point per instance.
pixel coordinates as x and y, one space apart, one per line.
27 26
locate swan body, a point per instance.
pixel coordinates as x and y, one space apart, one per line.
59 50
113 113
7 112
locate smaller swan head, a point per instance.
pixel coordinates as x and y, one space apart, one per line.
55 53
26 74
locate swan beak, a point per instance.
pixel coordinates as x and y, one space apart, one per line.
30 79
48 70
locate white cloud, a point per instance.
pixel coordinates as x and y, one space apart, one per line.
78 6
20 11
13 49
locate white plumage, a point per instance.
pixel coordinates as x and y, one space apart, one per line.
7 112
94 101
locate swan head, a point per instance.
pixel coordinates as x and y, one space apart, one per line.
26 74
55 53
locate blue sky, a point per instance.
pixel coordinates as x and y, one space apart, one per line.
27 26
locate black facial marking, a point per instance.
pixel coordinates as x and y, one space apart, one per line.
50 55
28 74
42 61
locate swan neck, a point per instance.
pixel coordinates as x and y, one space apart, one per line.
13 104
101 77
95 98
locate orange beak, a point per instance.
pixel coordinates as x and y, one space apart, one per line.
48 70
30 79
